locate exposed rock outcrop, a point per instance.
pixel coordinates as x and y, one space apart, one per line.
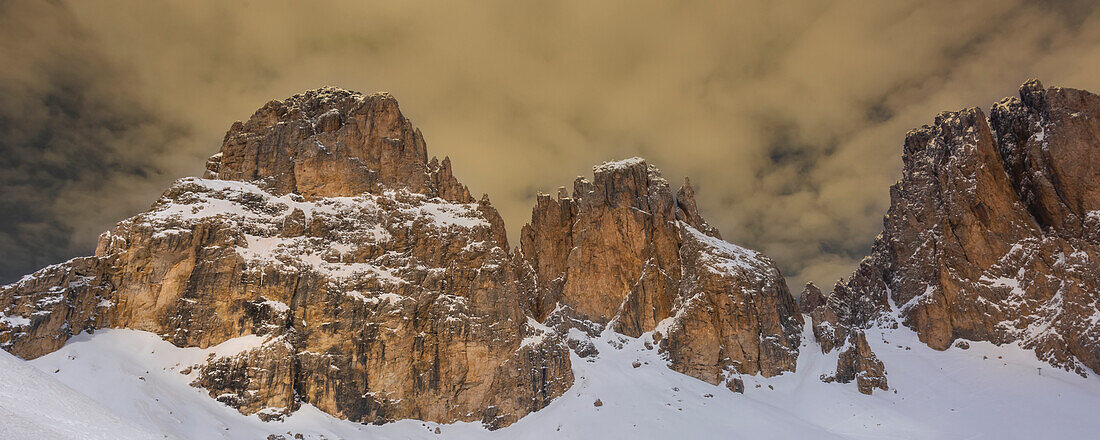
810 298
993 232
612 245
329 262
623 251
41 311
857 362
733 314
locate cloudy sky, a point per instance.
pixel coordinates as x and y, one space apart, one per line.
788 116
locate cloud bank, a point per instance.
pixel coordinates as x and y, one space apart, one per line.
788 116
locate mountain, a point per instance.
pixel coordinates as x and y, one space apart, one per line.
993 234
373 287
625 253
325 273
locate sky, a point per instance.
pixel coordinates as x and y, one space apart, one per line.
788 116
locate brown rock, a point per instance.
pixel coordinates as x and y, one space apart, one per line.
254 380
609 252
810 298
733 315
330 143
623 251
41 311
857 362
736 385
829 332
688 212
994 235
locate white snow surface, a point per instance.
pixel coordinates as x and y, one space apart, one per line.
14 321
617 165
984 392
244 201
35 406
725 257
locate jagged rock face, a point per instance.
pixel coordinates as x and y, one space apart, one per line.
734 314
610 251
333 143
40 312
810 298
994 234
1048 141
257 380
384 304
624 251
858 363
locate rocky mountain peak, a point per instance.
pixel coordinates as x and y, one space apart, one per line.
1046 140
1033 94
362 277
625 252
331 142
810 298
992 233
687 210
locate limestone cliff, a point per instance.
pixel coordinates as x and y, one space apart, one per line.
333 143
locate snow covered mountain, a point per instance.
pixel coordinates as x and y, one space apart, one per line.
325 279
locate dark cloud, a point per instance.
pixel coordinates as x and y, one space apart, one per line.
789 116
69 136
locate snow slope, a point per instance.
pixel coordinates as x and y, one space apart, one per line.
35 406
983 392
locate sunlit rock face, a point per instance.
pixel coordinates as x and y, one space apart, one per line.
371 284
625 251
993 232
333 143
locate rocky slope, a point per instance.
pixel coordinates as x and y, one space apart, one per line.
325 260
993 234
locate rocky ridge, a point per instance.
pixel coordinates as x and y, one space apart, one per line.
331 263
993 234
